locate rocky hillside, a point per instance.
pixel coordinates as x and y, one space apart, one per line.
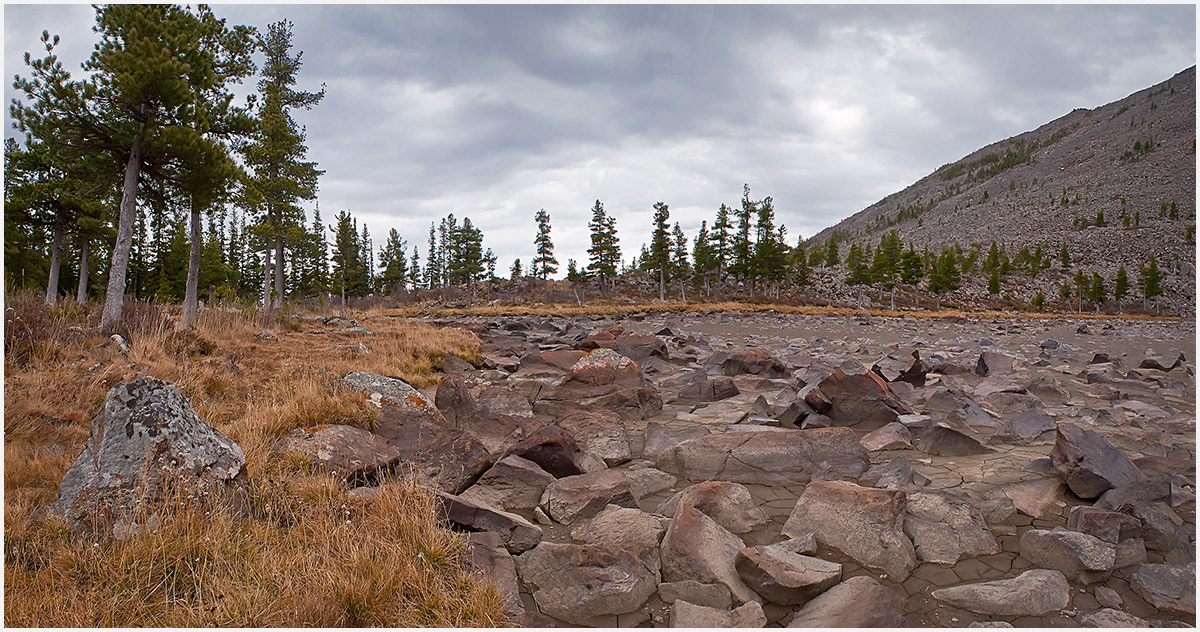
1125 160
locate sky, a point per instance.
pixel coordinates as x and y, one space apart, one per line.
494 111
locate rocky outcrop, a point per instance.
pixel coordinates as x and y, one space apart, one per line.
146 443
783 457
604 380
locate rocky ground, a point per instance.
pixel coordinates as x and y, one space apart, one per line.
713 510
730 469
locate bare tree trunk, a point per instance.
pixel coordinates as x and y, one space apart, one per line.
893 298
662 282
85 250
916 296
266 279
682 294
278 298
191 292
114 299
343 277
55 259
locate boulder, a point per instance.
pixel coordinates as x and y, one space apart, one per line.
145 441
439 455
903 365
647 481
784 457
862 401
1035 499
698 593
393 393
894 436
1032 593
730 504
1089 464
1009 403
558 362
1168 587
487 556
1048 390
709 390
1110 526
1032 427
516 533
945 441
1078 556
998 384
635 346
599 433
957 409
554 450
512 483
575 497
754 362
863 522
622 528
1149 502
577 583
659 438
894 474
696 548
858 602
946 528
496 432
685 614
993 363
353 454
604 380
1110 618
785 578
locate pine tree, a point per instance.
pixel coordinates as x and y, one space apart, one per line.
885 267
911 271
348 266
798 268
1097 293
1121 287
741 250
604 253
945 276
1064 257
680 267
1150 283
276 155
1081 283
702 255
721 243
994 282
414 269
544 264
433 266
659 255
514 272
393 260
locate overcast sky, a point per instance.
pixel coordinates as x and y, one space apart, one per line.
492 112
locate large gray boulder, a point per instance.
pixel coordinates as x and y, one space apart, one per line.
858 602
598 432
730 504
782 457
1089 464
946 528
863 522
622 528
146 444
862 401
1078 556
577 583
604 380
696 548
1032 593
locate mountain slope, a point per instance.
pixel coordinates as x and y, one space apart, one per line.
1013 192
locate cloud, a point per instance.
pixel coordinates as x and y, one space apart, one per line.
492 112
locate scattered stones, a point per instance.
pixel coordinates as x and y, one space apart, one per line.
946 528
145 440
786 578
1032 593
754 362
729 504
1089 464
858 602
902 366
865 523
576 583
767 458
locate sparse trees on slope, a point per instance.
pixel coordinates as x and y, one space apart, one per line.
1120 287
1150 283
1097 293
721 243
945 276
393 260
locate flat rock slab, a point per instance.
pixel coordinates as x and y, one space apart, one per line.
576 583
787 579
1089 464
956 408
517 533
944 441
730 504
863 522
1036 499
575 497
894 436
660 439
685 614
697 593
1078 556
1032 427
767 458
1032 593
696 548
145 439
1168 587
1110 618
858 602
622 528
350 453
946 528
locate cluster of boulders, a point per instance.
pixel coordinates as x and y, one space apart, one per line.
622 474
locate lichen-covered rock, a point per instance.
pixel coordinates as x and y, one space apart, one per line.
145 444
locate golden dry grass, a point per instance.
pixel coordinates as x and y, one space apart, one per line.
311 555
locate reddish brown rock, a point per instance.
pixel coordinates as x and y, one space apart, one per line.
858 602
552 448
353 454
903 365
1089 464
780 457
754 362
862 401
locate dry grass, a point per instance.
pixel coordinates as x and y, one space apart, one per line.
310 555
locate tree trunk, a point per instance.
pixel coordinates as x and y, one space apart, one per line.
114 299
916 296
85 250
682 295
55 259
267 278
343 277
893 298
277 300
191 292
